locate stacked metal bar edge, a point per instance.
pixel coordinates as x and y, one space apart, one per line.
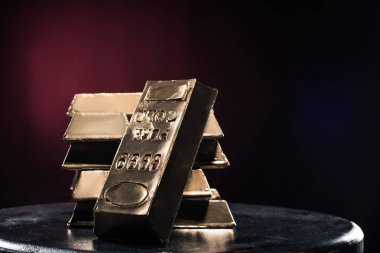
98 122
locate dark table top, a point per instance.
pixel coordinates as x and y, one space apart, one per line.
42 228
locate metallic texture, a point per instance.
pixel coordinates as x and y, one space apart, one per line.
204 214
89 184
90 155
215 194
96 126
143 191
220 161
106 103
98 155
85 126
197 185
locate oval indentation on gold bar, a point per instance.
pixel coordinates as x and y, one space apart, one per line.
126 194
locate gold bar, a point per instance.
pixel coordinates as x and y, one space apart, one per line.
105 103
93 126
98 155
215 194
96 126
90 183
204 214
151 167
197 185
212 128
220 161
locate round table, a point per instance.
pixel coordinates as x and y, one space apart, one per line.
42 228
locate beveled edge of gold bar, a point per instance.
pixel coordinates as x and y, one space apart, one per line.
89 188
74 180
85 167
215 194
212 128
222 209
220 161
82 102
197 185
79 121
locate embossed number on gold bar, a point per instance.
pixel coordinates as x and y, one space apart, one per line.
152 164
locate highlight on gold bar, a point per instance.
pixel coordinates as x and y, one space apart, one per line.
104 103
197 185
96 126
90 183
149 173
90 126
212 128
215 194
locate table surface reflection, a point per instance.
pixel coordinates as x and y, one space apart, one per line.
42 228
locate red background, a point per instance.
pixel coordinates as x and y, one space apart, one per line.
298 92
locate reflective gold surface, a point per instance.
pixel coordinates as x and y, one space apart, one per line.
205 240
93 155
96 126
215 194
152 164
104 103
89 185
197 185
212 128
219 162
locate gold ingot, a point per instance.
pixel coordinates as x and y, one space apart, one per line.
89 185
98 156
96 126
108 103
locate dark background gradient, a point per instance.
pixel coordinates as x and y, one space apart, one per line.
298 103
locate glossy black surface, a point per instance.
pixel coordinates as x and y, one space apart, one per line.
42 228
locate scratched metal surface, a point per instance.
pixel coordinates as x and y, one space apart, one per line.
42 228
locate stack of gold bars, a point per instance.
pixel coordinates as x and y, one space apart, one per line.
98 123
